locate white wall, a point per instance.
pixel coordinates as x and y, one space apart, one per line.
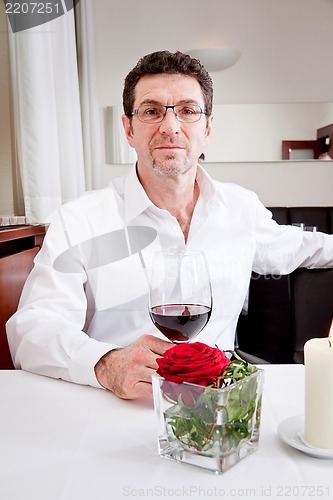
285 183
119 45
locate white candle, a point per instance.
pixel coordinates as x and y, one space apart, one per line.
318 417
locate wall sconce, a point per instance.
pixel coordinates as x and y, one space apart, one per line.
216 58
118 151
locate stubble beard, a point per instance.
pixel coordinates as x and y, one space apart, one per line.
170 165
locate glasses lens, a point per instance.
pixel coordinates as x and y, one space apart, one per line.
189 113
151 113
154 113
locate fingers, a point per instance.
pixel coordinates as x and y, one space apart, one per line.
156 345
152 363
127 371
142 390
146 375
135 386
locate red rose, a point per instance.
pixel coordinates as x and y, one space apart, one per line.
196 363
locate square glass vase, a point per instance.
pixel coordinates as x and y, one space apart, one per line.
206 427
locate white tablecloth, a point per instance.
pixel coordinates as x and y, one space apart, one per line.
60 441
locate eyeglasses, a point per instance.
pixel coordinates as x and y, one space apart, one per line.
154 113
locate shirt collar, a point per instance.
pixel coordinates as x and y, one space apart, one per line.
135 197
137 201
206 184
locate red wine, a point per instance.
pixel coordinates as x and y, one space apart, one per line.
180 322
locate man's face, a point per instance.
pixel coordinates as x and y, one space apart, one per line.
169 147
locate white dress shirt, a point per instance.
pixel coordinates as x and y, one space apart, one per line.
88 291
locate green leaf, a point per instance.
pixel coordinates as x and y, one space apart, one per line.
223 417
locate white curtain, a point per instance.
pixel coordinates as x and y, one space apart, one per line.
47 116
88 94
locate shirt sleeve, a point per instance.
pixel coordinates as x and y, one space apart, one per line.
280 249
46 335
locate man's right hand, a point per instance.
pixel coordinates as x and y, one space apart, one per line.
127 371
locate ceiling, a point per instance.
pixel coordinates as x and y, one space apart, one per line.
286 45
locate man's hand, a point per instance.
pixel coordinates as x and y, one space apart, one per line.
127 371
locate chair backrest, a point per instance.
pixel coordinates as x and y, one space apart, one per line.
266 330
312 306
18 247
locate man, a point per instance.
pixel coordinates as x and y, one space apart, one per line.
83 315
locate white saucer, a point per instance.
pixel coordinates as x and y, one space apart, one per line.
290 431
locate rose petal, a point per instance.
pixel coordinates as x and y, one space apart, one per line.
196 363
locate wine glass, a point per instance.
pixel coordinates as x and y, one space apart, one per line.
180 298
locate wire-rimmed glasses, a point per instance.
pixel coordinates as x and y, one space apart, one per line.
154 113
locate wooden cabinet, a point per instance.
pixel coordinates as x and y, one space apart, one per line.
18 247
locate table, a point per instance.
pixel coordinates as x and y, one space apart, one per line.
61 441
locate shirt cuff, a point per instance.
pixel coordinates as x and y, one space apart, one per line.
82 367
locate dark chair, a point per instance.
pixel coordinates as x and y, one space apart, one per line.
312 306
18 247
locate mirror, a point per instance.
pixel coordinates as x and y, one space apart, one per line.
254 132
241 132
117 149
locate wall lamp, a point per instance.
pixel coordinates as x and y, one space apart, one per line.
216 58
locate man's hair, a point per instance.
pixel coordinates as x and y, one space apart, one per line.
165 62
